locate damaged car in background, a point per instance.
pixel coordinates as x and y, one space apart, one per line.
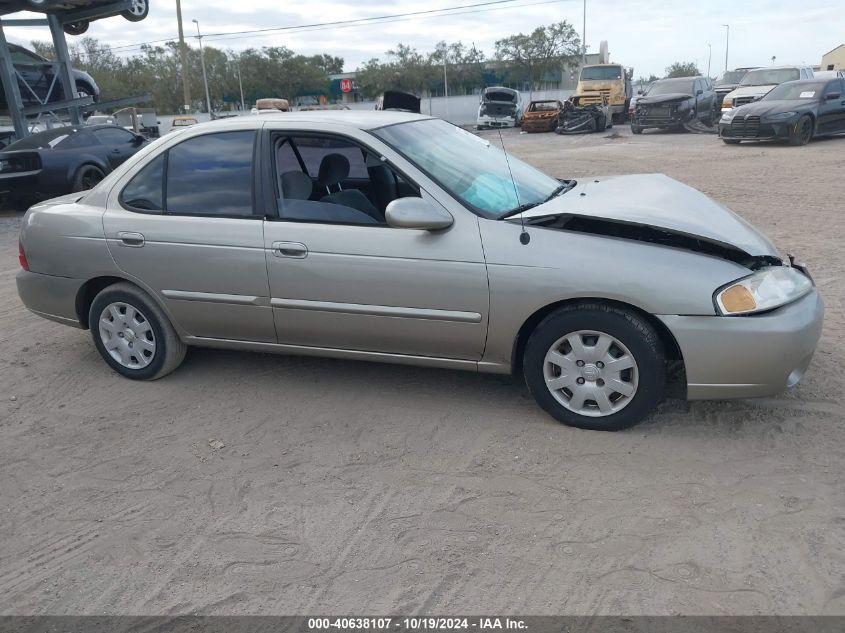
795 111
585 113
600 292
500 107
541 116
674 103
756 83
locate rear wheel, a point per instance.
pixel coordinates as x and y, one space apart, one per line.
636 129
76 28
132 333
731 141
802 131
595 367
87 178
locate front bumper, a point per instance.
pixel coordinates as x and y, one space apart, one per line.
494 121
51 297
764 131
751 356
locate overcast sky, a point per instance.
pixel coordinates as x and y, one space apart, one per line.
645 35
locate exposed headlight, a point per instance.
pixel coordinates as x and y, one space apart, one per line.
764 290
727 104
781 116
727 116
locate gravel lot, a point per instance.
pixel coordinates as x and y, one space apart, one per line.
363 488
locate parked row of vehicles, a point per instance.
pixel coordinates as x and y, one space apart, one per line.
775 103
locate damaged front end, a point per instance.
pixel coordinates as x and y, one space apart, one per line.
665 111
542 116
655 235
578 118
499 108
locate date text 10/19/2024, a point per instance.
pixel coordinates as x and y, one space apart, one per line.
416 624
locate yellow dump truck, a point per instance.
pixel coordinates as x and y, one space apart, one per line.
607 79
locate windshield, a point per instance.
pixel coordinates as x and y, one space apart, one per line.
469 167
790 91
43 140
731 77
671 86
601 73
769 76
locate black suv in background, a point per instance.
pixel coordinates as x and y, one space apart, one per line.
671 103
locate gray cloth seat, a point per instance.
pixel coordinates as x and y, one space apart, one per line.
296 185
334 169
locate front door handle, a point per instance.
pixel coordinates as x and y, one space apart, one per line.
296 250
128 238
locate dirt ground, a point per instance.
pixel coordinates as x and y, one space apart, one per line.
342 487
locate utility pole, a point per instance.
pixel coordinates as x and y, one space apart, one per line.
584 37
727 43
240 84
709 56
204 75
183 54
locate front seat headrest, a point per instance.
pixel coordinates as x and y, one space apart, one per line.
296 185
334 169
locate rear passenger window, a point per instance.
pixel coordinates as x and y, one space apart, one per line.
205 175
211 175
145 191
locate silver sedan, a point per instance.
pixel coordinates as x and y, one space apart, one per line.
400 238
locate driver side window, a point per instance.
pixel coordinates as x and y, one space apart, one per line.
330 180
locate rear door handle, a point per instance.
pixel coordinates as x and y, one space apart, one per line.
128 238
296 250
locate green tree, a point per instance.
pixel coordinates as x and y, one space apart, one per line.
546 48
682 69
464 65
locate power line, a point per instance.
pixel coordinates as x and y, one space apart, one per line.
397 17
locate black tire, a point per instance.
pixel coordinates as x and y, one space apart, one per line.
636 129
169 348
635 333
802 131
731 141
139 11
76 28
87 177
84 90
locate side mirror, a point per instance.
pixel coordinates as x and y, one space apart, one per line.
640 91
139 139
416 213
699 92
832 96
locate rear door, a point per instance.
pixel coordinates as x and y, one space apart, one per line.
832 108
185 228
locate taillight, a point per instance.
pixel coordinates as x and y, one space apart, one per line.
22 256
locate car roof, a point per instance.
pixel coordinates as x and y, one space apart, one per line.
361 119
815 80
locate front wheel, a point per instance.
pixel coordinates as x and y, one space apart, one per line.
730 141
76 28
636 129
138 10
802 131
595 366
132 333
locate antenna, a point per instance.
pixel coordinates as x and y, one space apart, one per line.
524 238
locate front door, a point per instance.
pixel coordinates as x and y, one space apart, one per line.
120 144
341 278
184 227
832 108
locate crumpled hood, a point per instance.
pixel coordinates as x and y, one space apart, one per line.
750 91
657 201
673 96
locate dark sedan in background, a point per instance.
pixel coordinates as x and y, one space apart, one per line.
62 160
795 111
672 103
38 82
